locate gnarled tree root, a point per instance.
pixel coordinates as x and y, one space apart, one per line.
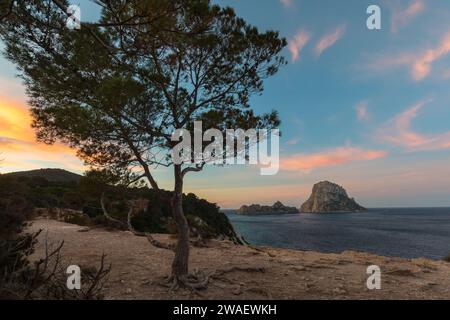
191 282
194 282
199 281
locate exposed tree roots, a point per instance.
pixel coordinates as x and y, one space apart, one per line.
194 282
198 281
191 282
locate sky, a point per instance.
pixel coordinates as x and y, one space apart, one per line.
367 109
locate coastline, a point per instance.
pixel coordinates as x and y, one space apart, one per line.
265 273
393 232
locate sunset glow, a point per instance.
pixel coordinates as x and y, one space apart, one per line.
356 105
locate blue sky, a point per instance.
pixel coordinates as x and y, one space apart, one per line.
368 109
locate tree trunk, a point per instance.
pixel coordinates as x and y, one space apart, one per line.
181 260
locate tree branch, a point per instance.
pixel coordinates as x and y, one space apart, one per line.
10 8
130 227
197 168
92 33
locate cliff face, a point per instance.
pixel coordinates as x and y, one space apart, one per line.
277 208
330 197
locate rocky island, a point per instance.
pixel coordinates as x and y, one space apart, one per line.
277 208
330 197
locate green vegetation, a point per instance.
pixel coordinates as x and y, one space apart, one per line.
117 90
44 278
81 202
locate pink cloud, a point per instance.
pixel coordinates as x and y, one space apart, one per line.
362 111
329 158
398 131
390 61
293 141
420 64
297 44
329 39
286 3
401 18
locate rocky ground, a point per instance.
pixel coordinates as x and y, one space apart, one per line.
266 273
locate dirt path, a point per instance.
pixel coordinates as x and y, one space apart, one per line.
288 274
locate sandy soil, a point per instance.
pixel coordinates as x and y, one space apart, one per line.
137 267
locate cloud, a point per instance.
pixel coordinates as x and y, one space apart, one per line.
398 131
389 61
420 64
18 146
401 18
329 39
293 141
286 3
329 158
15 121
362 111
297 44
10 144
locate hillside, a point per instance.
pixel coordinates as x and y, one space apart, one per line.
52 175
76 199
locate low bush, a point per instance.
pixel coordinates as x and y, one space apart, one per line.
45 278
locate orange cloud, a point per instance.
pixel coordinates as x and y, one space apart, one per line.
401 18
16 131
328 158
19 148
297 44
329 39
15 121
398 131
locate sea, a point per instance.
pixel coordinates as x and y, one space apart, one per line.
393 232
